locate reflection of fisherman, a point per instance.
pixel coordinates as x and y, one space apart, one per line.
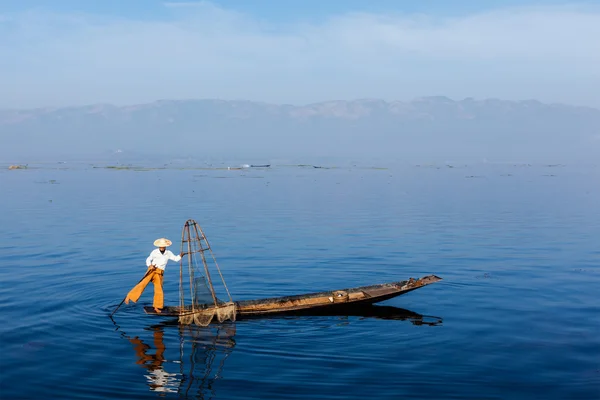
159 379
208 348
156 263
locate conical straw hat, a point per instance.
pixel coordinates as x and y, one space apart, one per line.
162 242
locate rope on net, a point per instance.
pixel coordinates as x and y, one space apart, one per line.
201 313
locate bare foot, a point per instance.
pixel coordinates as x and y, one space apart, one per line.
158 311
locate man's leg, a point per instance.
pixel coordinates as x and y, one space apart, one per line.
135 293
157 279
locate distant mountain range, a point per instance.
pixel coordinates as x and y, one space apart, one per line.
425 128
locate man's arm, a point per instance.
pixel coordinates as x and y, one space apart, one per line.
149 260
174 257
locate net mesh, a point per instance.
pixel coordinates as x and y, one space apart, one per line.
205 316
204 306
201 292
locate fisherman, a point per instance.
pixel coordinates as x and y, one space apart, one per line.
156 263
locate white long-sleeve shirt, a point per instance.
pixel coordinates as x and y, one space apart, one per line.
160 260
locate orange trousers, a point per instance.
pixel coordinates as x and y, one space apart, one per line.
155 276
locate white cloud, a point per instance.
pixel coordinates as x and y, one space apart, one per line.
199 50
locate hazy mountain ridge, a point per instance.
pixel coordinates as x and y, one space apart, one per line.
425 107
430 126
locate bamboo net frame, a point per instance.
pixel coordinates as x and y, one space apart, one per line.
194 245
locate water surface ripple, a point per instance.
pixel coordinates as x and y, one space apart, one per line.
516 315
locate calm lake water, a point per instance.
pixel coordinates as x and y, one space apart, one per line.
516 316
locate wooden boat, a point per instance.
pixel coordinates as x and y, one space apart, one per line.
205 304
337 299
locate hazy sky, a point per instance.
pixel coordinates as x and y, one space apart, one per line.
71 52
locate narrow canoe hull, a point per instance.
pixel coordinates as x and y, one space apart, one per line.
333 299
320 301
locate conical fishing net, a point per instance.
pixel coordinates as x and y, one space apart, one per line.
203 306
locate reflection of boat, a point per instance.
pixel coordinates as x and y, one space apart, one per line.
367 311
205 305
189 360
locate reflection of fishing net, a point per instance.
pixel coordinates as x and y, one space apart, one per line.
204 304
204 350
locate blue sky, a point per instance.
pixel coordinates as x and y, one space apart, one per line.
71 52
284 10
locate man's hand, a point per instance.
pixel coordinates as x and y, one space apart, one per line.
181 254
